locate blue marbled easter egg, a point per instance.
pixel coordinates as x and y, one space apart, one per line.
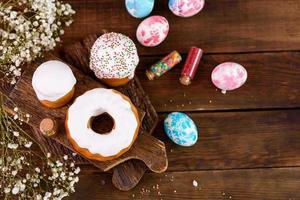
181 129
139 8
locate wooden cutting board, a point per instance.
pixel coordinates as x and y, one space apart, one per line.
128 174
147 148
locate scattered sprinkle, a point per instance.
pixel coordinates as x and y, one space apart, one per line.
172 178
195 183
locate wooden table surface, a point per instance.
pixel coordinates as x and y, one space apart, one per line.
249 144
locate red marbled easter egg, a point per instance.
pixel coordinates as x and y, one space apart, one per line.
229 76
152 31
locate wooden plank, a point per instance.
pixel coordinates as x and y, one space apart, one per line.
230 140
238 140
273 82
223 25
5 87
277 183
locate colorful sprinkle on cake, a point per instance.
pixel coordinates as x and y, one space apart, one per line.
114 55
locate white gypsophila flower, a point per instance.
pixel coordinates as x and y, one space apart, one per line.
28 144
15 190
4 169
76 179
8 159
77 170
58 163
28 176
22 187
25 38
6 190
12 146
16 133
14 173
38 197
37 169
48 195
16 117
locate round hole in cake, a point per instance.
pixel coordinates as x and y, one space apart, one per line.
102 124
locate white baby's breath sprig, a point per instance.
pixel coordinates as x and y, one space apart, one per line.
28 28
25 172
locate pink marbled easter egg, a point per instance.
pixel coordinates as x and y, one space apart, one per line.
186 8
152 31
229 76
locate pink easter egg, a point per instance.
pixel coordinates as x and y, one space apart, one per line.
152 31
229 76
186 8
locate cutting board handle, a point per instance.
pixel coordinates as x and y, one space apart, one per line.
151 151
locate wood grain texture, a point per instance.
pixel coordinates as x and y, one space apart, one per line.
222 26
260 131
239 140
5 87
273 82
48 145
277 183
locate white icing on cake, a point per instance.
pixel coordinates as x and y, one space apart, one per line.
52 80
114 55
94 103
